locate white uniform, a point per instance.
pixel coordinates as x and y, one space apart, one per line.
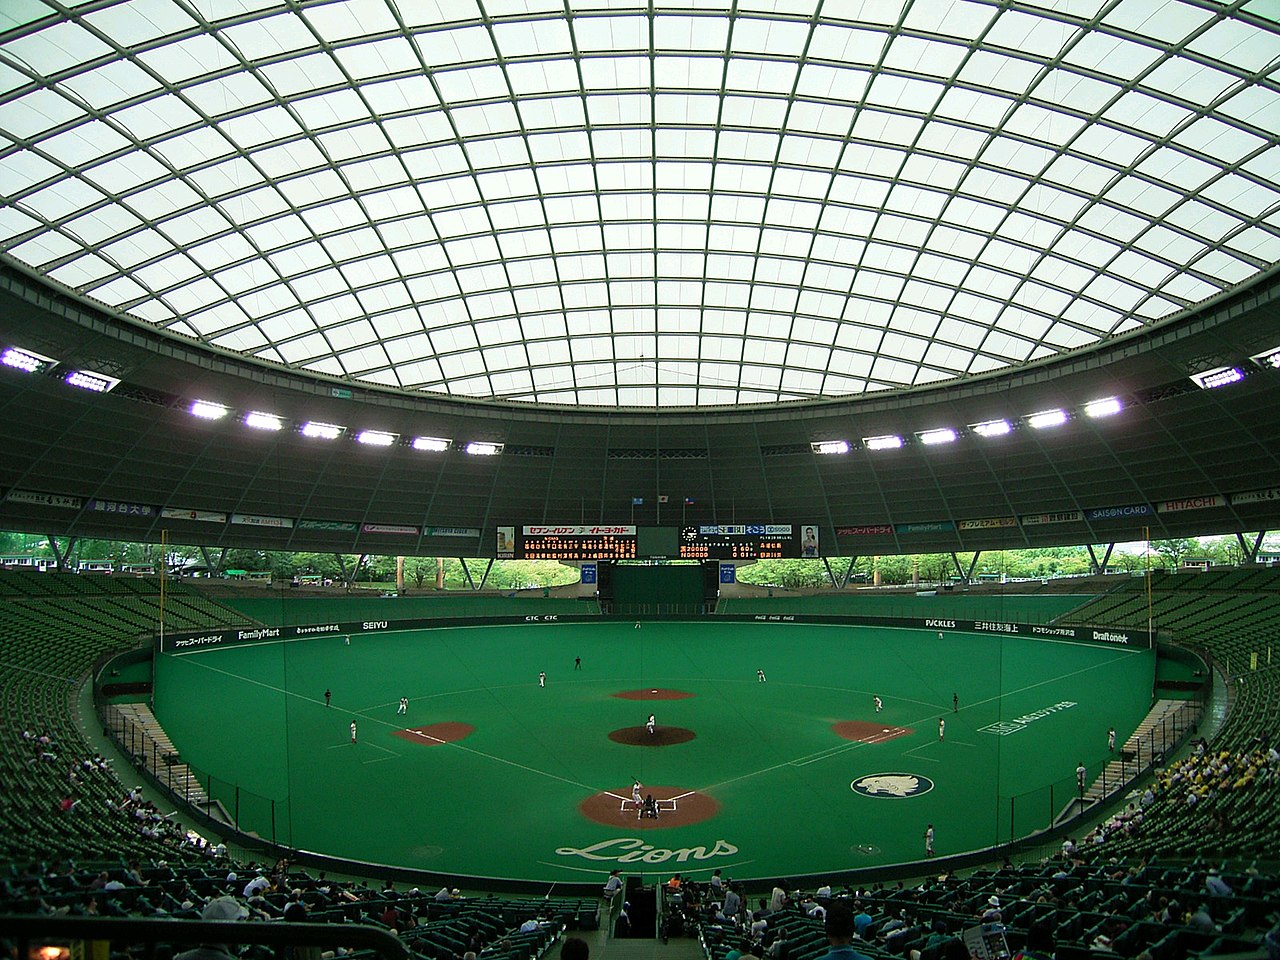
928 841
404 705
760 675
1111 739
942 729
353 731
649 726
879 705
542 679
637 799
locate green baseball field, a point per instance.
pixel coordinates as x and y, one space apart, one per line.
488 773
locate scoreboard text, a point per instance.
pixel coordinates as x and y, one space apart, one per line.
748 541
569 542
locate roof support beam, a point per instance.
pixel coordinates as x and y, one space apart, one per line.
1096 565
215 566
840 580
466 571
965 576
1250 553
349 576
61 555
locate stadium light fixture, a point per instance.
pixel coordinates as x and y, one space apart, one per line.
934 437
1106 407
263 421
1047 418
1217 377
431 444
991 428
376 438
25 360
207 410
86 380
478 448
322 431
1268 358
830 446
890 441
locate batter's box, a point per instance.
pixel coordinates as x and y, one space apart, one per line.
669 806
1002 728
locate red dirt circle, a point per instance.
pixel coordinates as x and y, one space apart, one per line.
655 693
435 734
864 732
661 736
614 808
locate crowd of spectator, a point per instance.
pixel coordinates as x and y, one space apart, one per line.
1201 792
1064 908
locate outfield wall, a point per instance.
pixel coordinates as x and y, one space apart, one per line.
1103 636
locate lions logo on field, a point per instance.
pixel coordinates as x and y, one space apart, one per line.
892 786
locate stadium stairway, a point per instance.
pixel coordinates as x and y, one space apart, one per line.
605 947
1117 772
177 775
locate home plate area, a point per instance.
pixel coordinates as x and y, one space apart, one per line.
865 732
676 807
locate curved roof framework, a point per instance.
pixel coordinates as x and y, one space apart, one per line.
630 204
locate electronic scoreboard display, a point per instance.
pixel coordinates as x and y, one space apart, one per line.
749 541
581 542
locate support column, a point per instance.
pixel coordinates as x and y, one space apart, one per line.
466 572
966 576
1250 554
1096 565
214 566
839 580
60 556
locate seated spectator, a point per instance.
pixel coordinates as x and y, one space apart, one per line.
220 908
1216 886
840 929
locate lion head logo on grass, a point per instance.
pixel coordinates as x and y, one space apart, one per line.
892 786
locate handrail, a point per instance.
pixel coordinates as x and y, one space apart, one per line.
28 930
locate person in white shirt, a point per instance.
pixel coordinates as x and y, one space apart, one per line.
649 724
612 885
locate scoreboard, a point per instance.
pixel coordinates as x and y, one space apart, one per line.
731 541
570 542
749 541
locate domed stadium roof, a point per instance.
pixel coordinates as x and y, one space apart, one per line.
633 204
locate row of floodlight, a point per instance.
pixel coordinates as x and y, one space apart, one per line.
30 362
319 430
1043 420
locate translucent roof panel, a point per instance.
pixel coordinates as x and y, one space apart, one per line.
642 203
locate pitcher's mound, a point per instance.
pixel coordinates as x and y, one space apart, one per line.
435 734
661 736
677 807
653 693
864 732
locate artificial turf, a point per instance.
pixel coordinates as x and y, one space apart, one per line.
504 801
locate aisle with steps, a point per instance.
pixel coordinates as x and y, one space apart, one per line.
1118 772
176 776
